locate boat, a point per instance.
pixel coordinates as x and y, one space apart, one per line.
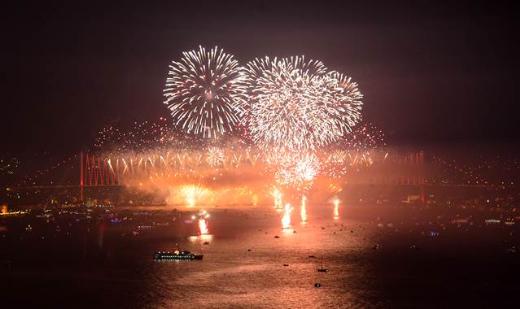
322 269
176 256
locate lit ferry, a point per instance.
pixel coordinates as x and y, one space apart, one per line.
176 255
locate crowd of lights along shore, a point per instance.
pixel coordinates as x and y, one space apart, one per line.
275 123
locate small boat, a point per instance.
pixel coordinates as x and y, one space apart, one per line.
322 269
176 256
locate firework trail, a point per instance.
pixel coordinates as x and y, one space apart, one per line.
205 92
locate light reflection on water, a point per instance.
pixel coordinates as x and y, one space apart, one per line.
201 238
249 267
336 209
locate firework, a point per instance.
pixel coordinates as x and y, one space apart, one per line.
203 225
295 104
335 164
205 92
364 136
298 171
344 101
215 157
139 136
284 109
277 195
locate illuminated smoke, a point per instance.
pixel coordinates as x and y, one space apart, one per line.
191 193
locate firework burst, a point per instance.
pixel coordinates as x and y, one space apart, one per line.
343 101
215 157
295 104
205 92
298 171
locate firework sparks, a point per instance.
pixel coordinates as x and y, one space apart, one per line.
298 171
137 137
363 137
205 92
296 104
215 157
287 108
344 101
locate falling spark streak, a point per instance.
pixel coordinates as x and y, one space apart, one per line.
286 218
303 210
336 208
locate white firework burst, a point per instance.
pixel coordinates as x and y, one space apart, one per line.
295 104
215 156
298 170
205 92
344 101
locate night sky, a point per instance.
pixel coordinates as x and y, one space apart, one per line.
430 72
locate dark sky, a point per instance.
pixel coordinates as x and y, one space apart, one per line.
430 72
